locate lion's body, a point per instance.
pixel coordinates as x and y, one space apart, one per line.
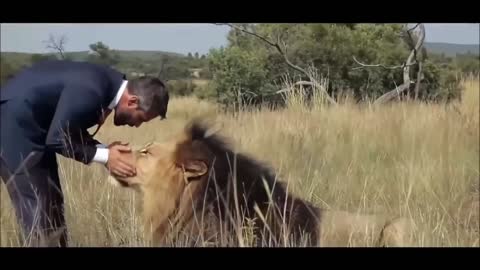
197 178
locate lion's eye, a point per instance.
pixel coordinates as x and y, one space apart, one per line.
144 151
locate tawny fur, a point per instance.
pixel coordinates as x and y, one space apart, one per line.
197 177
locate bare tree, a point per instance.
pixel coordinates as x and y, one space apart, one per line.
412 60
281 48
57 44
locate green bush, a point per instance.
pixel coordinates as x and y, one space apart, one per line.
180 87
240 77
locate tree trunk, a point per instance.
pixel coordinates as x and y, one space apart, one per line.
419 80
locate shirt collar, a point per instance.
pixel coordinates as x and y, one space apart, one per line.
115 101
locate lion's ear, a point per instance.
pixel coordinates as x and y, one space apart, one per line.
194 168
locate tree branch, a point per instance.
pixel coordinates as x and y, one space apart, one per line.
419 80
248 32
406 70
307 83
420 66
362 65
411 60
392 94
284 90
276 45
413 28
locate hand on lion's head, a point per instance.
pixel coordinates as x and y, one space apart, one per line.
158 163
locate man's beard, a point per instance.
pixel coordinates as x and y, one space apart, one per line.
121 118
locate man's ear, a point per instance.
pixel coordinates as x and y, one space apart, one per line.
132 100
194 168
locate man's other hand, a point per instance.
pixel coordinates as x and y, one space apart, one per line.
120 160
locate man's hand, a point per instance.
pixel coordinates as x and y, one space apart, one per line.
119 160
117 143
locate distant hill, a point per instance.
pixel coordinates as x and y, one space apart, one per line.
450 49
139 55
132 62
20 58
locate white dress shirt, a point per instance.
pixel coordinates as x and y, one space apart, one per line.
101 156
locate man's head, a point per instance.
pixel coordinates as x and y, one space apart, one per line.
144 98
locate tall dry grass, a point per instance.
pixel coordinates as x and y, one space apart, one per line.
410 159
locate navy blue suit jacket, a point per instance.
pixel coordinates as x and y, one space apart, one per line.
49 100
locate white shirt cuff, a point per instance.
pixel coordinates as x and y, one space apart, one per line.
101 156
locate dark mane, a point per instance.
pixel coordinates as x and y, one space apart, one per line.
255 183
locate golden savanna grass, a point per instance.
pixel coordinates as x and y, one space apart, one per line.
410 159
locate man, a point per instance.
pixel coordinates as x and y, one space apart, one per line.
46 110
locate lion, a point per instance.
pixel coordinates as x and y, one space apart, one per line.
197 177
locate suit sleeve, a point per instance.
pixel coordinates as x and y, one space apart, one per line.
102 152
67 134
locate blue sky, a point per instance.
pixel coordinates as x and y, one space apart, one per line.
181 38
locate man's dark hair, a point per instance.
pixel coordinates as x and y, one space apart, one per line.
152 93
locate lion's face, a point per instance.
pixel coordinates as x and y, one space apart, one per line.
158 168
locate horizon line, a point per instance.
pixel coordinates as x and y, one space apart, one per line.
173 52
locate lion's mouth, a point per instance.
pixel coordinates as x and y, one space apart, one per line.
118 180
